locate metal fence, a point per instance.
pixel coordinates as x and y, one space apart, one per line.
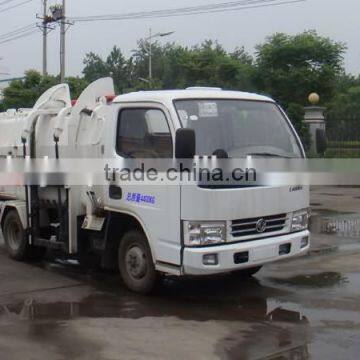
342 227
343 141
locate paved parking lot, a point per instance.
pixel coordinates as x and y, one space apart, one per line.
306 308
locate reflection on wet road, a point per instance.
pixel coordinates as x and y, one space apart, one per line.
308 308
241 307
273 317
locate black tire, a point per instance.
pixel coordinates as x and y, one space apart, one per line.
247 273
136 264
16 242
15 237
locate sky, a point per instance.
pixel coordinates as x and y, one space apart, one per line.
336 19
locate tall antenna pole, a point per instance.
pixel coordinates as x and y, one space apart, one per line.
45 33
63 43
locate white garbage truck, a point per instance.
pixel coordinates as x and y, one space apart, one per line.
147 230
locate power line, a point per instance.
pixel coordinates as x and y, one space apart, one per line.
17 31
170 11
185 11
18 36
194 10
6 2
15 6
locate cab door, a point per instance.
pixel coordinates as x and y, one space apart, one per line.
143 137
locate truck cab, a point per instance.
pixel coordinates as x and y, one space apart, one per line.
182 229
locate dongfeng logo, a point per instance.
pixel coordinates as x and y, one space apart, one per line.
261 226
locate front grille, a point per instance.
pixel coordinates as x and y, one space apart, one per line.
247 227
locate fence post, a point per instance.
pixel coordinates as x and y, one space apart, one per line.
315 119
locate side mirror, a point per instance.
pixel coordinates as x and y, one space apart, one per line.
321 141
185 144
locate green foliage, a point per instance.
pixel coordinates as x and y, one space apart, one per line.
114 66
76 85
342 153
291 67
174 66
344 145
343 149
24 93
210 65
346 81
285 67
343 117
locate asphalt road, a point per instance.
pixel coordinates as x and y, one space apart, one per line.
306 308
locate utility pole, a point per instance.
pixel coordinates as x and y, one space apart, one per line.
63 43
58 15
150 54
45 33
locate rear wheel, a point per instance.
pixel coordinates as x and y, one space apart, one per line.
247 273
15 239
14 236
136 264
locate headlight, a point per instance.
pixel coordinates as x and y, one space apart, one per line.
300 220
204 233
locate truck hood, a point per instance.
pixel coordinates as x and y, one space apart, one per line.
201 204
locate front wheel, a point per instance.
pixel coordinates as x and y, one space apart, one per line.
136 264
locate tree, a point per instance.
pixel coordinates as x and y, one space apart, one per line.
77 85
24 93
343 117
210 65
289 68
115 66
207 64
95 67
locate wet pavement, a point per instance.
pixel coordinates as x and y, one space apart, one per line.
300 309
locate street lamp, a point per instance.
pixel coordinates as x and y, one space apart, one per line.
150 40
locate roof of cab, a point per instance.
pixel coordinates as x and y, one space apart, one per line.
191 93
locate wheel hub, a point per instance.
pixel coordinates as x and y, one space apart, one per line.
136 262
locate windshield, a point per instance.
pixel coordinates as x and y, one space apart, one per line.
238 128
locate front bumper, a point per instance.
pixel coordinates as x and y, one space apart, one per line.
259 252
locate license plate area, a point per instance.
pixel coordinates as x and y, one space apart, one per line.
265 253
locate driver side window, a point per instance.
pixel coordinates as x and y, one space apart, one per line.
143 133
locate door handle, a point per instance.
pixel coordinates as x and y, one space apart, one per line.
115 192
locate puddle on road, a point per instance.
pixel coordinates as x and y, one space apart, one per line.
322 280
280 332
264 341
247 308
223 298
243 306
